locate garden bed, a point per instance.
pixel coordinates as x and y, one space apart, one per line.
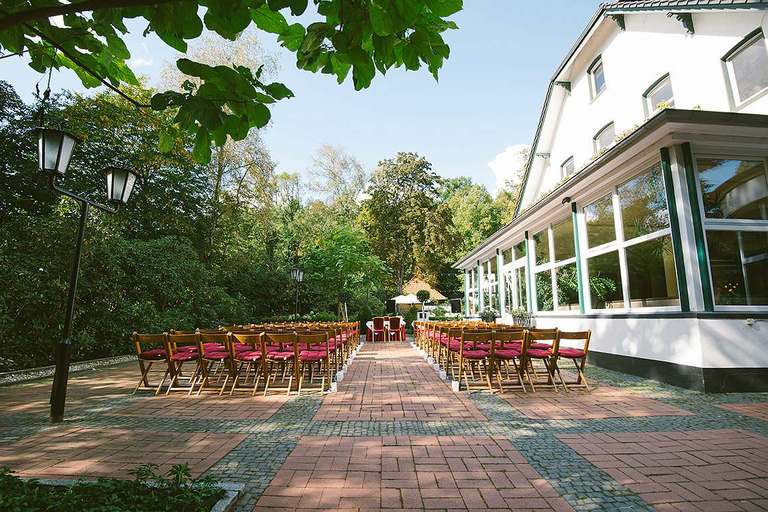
148 492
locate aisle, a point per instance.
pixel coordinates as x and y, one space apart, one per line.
391 382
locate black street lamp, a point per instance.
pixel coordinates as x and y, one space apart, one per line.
297 275
55 149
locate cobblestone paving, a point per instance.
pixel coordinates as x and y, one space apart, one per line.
391 399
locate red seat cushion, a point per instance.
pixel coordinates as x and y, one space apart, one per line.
571 353
216 356
540 346
153 354
210 347
311 356
280 356
507 353
538 353
248 356
475 354
187 348
186 355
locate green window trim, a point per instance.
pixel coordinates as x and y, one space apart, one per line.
698 227
674 225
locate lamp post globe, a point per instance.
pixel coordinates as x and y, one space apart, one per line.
54 149
120 184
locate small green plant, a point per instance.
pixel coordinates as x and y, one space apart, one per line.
148 492
522 317
488 315
439 313
409 317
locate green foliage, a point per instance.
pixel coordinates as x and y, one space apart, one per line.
410 317
363 36
148 492
488 314
422 295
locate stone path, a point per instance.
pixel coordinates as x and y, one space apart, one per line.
395 437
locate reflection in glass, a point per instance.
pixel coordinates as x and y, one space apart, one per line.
544 291
507 255
750 68
605 281
739 264
522 288
605 137
652 275
542 247
600 222
643 204
661 95
567 287
520 249
733 189
563 237
509 291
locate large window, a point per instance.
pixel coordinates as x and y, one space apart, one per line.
734 199
472 289
630 263
659 95
515 279
596 74
747 66
556 285
733 188
490 284
604 138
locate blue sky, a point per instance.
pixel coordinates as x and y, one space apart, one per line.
488 98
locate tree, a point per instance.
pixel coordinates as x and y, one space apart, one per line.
408 227
339 178
475 215
422 295
363 37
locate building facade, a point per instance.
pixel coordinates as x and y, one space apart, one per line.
643 214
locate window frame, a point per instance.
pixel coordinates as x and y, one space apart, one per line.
715 224
597 134
730 76
593 92
650 109
550 266
619 244
571 161
510 273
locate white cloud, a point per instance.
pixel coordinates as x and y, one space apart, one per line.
509 164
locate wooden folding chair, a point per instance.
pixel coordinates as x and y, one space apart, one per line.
472 356
576 354
540 345
181 349
507 347
148 356
281 354
246 349
213 358
313 347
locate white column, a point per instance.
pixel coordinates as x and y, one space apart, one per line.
500 282
480 285
466 292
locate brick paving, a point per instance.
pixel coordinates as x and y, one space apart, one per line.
697 470
390 382
395 437
758 410
603 402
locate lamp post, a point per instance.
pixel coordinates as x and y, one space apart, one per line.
55 149
297 275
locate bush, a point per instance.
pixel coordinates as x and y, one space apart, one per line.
422 295
488 315
410 317
148 492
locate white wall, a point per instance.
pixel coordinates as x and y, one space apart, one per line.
652 45
703 343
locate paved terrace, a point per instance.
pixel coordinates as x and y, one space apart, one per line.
396 438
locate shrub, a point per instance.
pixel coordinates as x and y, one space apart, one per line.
422 295
409 317
488 315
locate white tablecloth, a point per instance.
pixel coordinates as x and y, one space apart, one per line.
369 323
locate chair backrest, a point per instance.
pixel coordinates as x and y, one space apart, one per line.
308 339
176 340
253 339
378 322
285 341
540 337
473 337
584 336
153 340
505 338
394 322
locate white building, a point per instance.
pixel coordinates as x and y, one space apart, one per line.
644 209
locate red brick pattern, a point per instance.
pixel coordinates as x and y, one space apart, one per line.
408 473
708 470
112 452
601 402
242 406
389 381
755 410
